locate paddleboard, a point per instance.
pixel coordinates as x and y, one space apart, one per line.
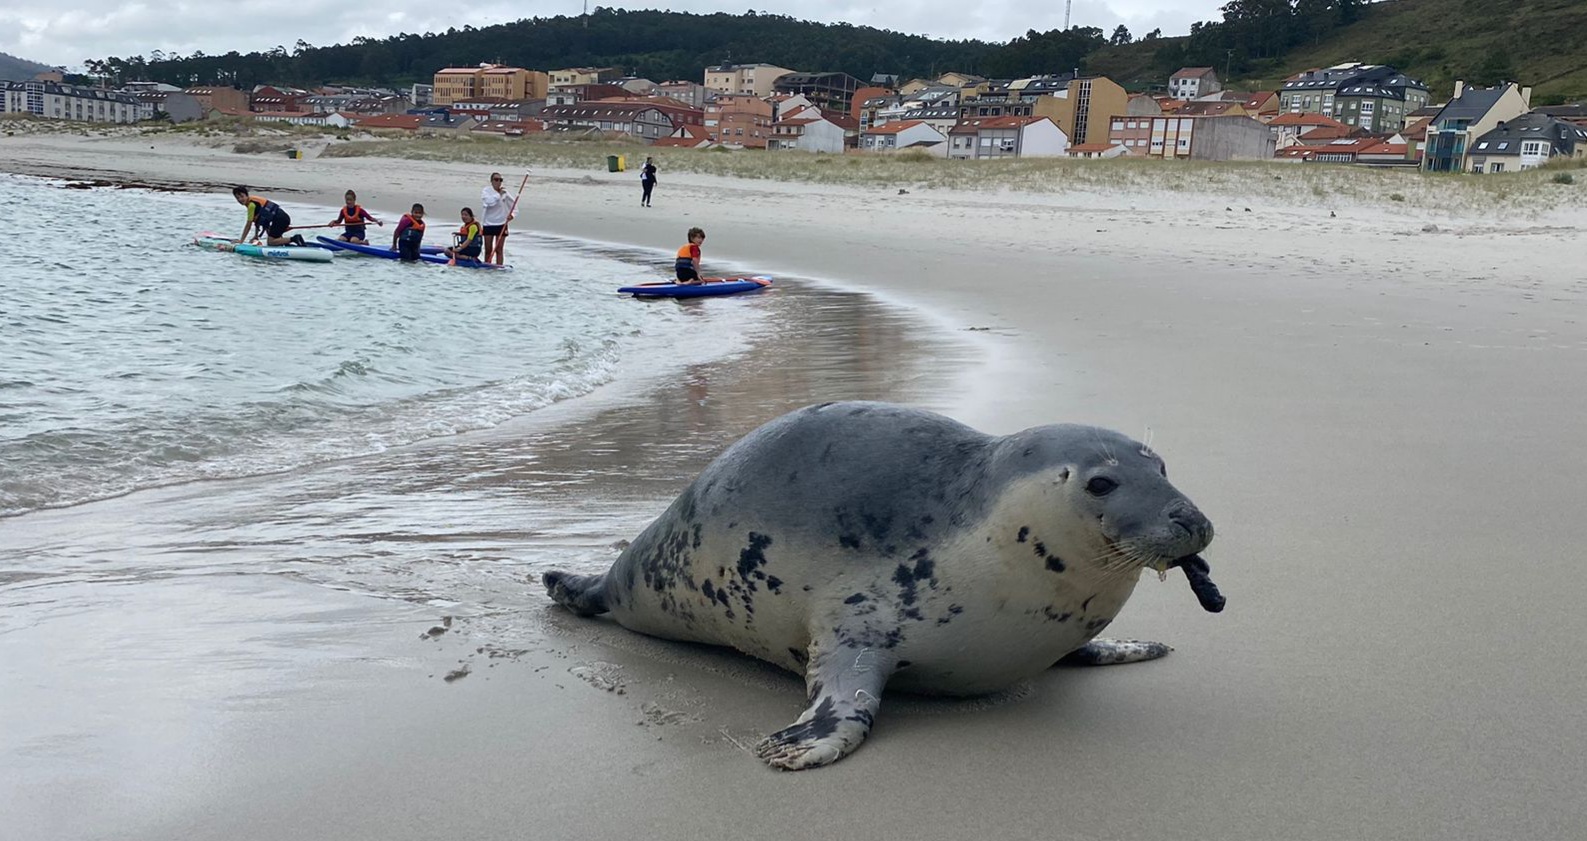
387 253
217 242
708 286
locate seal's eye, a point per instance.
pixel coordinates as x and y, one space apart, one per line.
1100 486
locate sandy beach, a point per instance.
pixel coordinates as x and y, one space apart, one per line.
1378 406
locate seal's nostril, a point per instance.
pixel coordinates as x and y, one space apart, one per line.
1186 520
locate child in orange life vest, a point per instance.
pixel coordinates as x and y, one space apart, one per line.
470 238
409 235
352 218
688 264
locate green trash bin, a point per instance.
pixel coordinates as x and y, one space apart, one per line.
612 164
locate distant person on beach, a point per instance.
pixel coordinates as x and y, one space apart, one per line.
409 235
265 218
352 218
498 206
688 264
647 181
470 238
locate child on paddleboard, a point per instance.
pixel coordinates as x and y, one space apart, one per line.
265 218
352 217
688 264
469 238
409 235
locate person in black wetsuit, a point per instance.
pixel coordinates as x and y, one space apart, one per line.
647 181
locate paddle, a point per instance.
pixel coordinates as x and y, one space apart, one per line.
501 245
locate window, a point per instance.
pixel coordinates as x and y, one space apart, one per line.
1482 145
1532 147
1366 108
1503 145
1496 167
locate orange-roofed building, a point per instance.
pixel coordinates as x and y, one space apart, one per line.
889 137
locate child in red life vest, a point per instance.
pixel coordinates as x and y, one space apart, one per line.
352 217
409 235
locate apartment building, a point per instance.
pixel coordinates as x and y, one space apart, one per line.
57 101
752 79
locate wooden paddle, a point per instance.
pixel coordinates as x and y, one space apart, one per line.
501 246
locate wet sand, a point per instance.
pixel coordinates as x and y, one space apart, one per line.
1382 422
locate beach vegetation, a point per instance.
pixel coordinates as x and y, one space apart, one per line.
1222 183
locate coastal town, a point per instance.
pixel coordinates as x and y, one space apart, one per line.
1348 113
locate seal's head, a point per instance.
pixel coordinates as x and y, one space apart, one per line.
1108 499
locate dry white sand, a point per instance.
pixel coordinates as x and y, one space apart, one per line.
1383 423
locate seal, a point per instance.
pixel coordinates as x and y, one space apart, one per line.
870 545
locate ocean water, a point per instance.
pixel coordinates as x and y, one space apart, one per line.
130 359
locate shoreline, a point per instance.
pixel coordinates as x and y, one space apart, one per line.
1369 413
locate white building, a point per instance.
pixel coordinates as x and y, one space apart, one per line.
891 137
807 133
1007 137
57 101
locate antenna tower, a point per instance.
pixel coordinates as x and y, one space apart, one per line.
1068 5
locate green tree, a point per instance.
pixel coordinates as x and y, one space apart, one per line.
1121 36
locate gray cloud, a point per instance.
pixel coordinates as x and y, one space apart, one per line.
68 31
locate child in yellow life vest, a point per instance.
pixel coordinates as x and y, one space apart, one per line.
352 218
688 264
470 238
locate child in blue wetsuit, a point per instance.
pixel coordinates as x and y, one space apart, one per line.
409 235
352 218
470 238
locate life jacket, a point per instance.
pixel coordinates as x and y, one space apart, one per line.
415 229
686 252
464 235
261 208
352 216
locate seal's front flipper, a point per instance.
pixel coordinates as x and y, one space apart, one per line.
1106 652
845 689
582 594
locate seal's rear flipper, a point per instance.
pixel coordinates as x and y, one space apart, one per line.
1106 652
582 594
845 690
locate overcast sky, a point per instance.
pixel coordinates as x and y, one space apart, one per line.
65 32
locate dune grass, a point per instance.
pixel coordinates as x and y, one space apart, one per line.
1235 181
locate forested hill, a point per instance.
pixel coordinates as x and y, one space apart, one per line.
1255 44
656 45
19 69
1542 43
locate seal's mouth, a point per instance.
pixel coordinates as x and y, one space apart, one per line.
1198 573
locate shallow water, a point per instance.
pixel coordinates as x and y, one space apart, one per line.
136 360
140 633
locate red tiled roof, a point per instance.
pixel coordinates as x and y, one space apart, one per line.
1333 132
1305 119
1206 109
893 128
1258 101
1386 148
409 122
